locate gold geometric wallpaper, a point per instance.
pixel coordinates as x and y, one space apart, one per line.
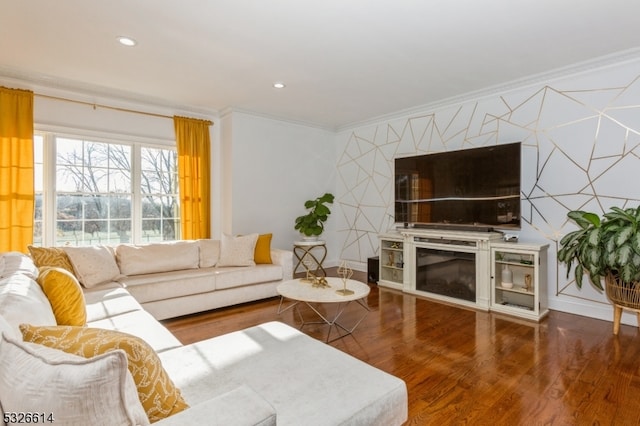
581 150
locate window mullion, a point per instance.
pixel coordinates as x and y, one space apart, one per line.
49 190
136 196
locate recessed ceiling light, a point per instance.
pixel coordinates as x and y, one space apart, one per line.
279 85
127 41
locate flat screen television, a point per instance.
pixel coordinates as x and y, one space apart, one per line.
469 189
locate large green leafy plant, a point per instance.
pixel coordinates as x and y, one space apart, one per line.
312 223
607 245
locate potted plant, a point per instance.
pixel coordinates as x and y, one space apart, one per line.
311 224
608 248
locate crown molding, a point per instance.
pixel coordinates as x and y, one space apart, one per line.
48 85
230 110
600 63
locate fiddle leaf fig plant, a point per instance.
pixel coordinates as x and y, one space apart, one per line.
312 223
607 245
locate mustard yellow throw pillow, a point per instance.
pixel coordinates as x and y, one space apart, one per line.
50 256
64 294
157 393
262 252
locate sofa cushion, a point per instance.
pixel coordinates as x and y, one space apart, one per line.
141 324
64 294
159 257
209 252
262 253
108 302
241 406
50 256
73 389
242 276
237 251
23 301
14 262
300 376
93 265
157 393
168 285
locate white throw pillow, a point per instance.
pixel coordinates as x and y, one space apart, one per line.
23 301
93 265
7 329
209 253
14 262
237 251
74 390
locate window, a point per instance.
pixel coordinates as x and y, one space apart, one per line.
103 192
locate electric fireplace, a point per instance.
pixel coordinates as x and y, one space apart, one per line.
446 272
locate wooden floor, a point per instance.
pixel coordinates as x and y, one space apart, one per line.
464 367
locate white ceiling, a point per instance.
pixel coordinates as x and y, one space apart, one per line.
343 61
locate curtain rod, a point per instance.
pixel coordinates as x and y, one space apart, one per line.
95 105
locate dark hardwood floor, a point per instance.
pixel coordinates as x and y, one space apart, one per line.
465 367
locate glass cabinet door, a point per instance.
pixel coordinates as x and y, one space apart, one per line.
392 261
514 281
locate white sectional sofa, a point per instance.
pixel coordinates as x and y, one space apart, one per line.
179 278
264 375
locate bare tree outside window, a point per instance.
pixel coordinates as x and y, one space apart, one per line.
95 194
159 188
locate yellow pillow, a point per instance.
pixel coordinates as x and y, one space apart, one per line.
65 295
262 253
157 393
50 256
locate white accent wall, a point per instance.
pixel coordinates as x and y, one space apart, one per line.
581 150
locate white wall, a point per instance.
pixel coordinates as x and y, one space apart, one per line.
275 167
581 140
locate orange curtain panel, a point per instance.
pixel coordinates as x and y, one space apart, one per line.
194 174
16 169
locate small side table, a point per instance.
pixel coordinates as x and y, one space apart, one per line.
303 250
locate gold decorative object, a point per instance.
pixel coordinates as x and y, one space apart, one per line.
320 282
315 280
345 273
527 283
309 278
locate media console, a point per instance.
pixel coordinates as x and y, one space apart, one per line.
466 268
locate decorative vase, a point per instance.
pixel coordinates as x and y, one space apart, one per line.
507 275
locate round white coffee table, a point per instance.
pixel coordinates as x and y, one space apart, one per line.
299 291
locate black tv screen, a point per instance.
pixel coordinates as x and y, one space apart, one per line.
475 188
